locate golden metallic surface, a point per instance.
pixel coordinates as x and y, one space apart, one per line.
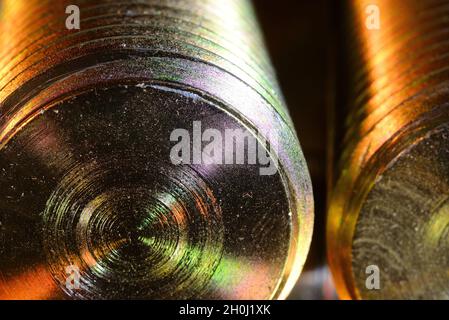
389 205
86 177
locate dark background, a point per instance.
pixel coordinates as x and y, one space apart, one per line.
300 36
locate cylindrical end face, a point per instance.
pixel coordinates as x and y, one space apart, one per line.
126 191
401 236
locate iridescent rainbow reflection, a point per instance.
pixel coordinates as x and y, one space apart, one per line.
134 224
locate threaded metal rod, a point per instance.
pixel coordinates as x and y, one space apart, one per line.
100 197
388 215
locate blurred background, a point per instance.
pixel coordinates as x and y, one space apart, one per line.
300 36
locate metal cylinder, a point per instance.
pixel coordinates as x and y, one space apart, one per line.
110 186
388 218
